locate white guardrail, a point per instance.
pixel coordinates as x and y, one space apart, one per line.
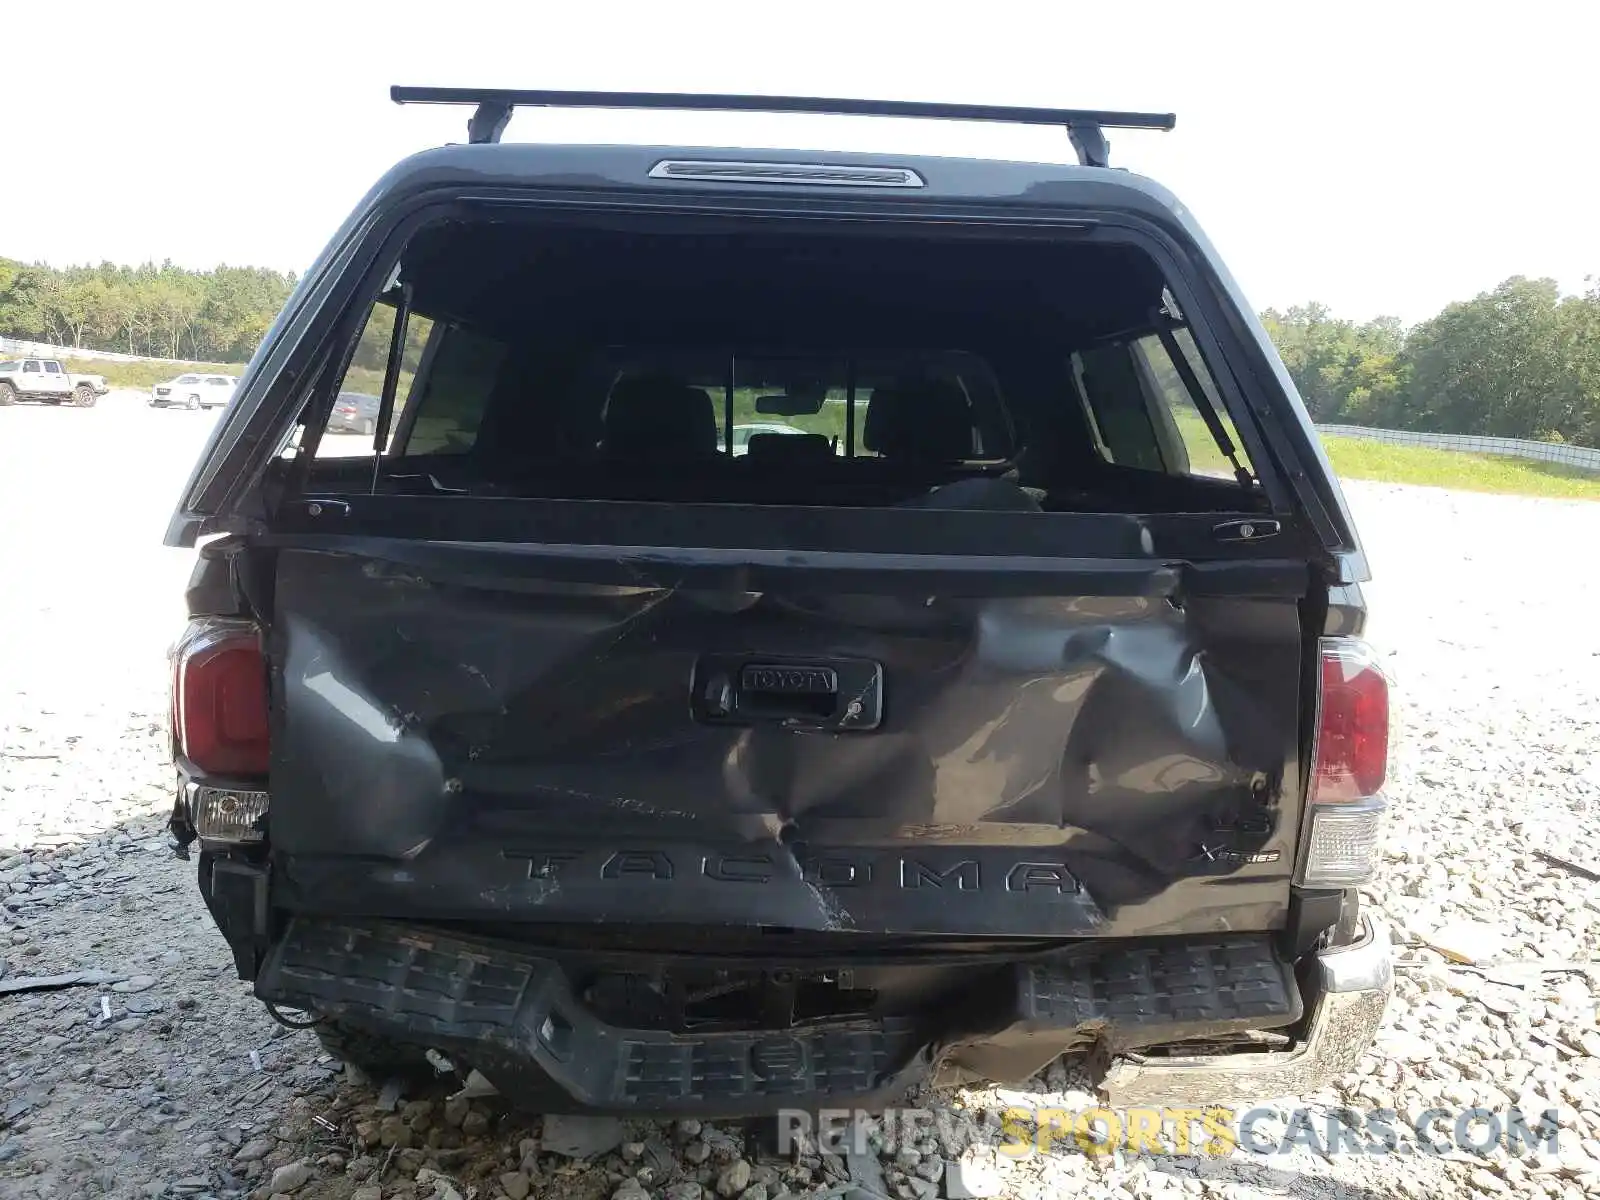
1582 457
45 350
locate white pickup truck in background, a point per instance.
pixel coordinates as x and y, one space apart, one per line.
47 379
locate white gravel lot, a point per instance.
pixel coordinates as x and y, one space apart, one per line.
1484 613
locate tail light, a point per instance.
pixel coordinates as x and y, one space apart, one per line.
1350 759
219 700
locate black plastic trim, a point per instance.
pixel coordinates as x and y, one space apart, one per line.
1313 912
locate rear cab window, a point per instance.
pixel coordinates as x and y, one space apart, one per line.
799 370
446 406
1151 404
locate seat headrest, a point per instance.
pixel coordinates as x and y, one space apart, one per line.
657 416
786 452
928 420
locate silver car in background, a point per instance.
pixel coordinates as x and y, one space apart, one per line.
194 391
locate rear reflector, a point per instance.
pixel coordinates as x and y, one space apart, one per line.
1349 763
219 706
1343 844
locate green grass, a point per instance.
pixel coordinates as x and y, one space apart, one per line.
145 374
1356 458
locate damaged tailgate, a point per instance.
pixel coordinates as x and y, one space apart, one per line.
808 742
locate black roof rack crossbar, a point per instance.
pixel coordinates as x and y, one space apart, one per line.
1085 126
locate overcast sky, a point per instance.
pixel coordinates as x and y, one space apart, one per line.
1383 158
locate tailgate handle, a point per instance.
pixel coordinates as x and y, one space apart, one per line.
846 694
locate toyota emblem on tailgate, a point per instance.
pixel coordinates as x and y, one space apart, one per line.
789 681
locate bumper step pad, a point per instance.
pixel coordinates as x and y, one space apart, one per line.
514 1017
1182 988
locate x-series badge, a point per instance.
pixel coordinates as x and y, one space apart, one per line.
1219 854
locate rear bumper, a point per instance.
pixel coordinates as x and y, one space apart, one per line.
516 1017
1347 990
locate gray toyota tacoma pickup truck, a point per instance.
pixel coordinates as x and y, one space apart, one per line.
1010 703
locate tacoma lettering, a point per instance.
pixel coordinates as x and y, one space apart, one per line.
733 868
829 869
836 870
542 864
644 864
964 876
1053 877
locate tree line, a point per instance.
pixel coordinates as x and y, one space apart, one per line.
1520 361
158 311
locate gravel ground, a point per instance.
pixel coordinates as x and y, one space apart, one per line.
167 1079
